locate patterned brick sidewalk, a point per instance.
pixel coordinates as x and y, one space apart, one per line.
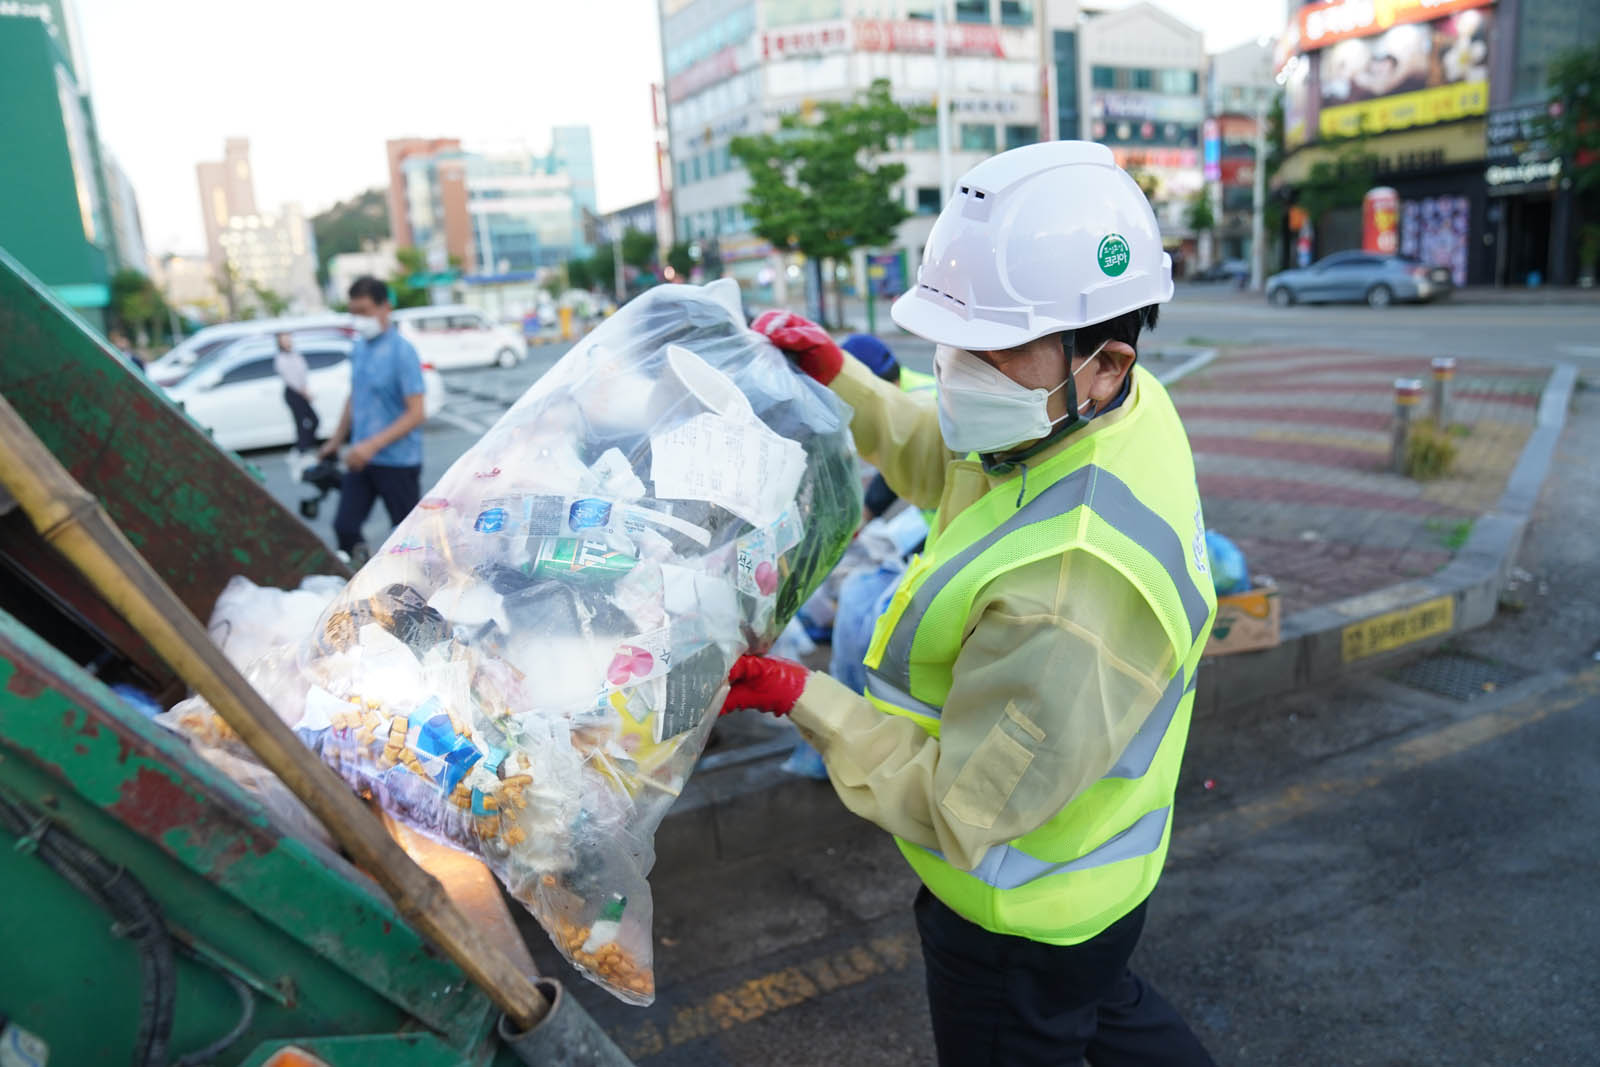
1292 446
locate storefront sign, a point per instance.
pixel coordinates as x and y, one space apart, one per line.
1444 104
1211 140
1150 158
1516 178
1146 107
1323 24
819 38
882 35
1513 134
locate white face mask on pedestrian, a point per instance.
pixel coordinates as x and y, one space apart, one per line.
368 326
981 410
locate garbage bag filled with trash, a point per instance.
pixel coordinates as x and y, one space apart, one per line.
529 666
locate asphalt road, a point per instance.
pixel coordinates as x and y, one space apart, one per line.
1375 874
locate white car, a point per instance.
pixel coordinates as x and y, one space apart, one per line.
192 351
455 335
239 397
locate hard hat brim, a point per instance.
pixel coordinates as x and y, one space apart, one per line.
943 326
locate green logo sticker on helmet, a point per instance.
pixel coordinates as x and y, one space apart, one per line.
1113 254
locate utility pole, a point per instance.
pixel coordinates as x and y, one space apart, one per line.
1258 197
941 99
616 261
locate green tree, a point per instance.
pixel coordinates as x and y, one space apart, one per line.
817 185
272 303
136 304
638 248
350 226
406 295
1200 218
580 274
681 262
602 269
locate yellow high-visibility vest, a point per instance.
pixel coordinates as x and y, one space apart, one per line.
1127 494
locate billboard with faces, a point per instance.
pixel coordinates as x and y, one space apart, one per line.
1413 74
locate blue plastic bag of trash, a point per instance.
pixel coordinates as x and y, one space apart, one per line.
1229 572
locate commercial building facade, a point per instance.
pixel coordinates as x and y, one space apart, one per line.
735 67
227 191
1016 72
1240 90
55 210
271 254
1441 96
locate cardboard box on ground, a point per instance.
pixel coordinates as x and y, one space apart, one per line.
1246 622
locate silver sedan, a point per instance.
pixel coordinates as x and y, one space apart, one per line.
1360 277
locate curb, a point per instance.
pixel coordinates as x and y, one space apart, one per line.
740 804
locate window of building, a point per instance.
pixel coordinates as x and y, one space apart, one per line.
977 138
1142 78
925 138
972 10
1016 12
1178 82
713 163
683 172
1017 136
1066 49
694 169
919 11
927 200
1103 77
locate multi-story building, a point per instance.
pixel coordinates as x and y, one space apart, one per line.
495 211
378 260
735 67
55 215
227 191
1140 73
1017 71
127 227
271 253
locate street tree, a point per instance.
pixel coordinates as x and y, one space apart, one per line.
603 270
270 301
638 248
412 262
818 185
580 273
352 225
681 260
136 304
1200 218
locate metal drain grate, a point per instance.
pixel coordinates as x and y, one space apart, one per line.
1459 677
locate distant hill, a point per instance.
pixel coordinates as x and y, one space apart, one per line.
348 225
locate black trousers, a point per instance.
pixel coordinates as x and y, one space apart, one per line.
399 487
305 419
1000 1001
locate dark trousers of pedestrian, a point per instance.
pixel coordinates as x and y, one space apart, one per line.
399 487
1002 1001
305 419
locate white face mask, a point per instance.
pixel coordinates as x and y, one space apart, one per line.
368 327
981 410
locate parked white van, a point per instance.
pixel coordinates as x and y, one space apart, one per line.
456 335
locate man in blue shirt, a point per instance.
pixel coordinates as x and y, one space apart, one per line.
383 417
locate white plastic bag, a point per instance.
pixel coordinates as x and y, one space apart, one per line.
530 665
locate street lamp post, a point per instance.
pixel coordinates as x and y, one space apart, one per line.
1258 197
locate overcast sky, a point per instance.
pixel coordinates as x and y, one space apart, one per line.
319 86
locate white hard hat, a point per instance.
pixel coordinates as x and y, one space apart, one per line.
1035 241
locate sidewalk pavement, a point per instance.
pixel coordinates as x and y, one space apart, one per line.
1292 451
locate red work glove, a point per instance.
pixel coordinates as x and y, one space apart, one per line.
765 683
804 342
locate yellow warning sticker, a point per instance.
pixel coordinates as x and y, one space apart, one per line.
1396 629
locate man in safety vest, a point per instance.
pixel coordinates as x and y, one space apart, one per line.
1030 684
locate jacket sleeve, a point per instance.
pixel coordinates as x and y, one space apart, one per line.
1047 692
896 432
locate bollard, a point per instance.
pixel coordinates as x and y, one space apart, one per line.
1407 394
1444 370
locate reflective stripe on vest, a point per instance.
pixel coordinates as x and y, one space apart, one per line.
1008 867
1094 487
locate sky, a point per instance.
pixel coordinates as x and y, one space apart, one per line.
318 87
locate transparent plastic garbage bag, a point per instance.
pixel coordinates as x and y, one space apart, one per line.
529 666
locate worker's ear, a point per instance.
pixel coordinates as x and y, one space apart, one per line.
1102 382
